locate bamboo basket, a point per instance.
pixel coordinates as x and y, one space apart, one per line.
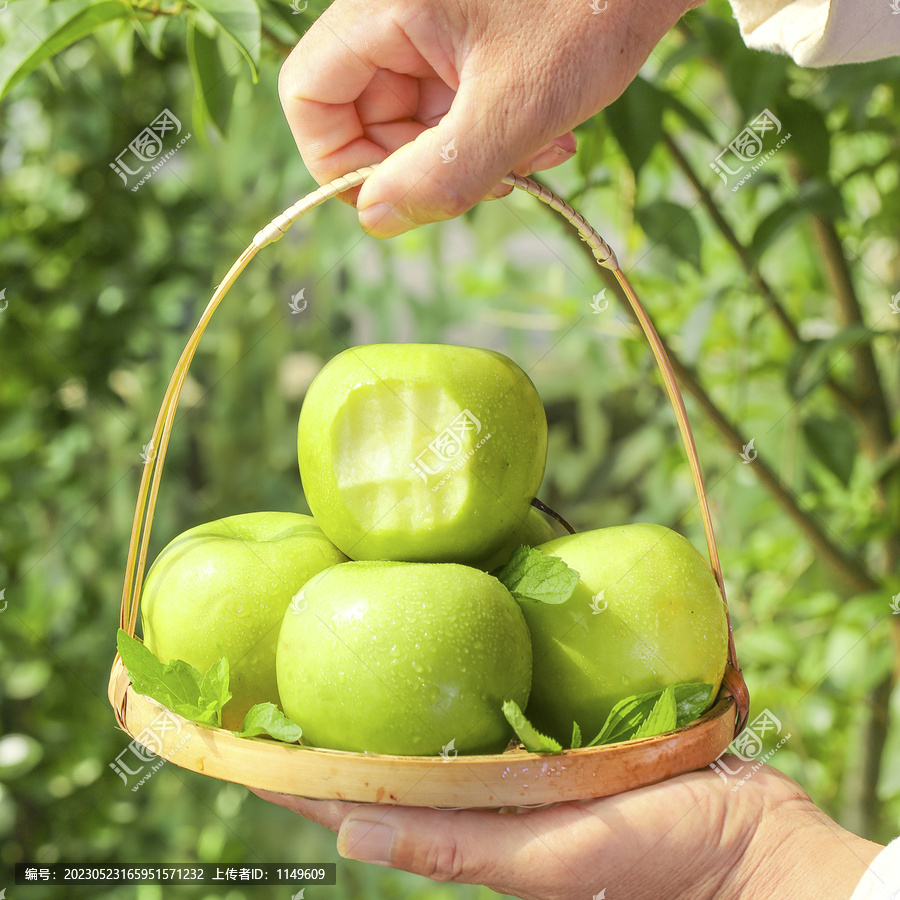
515 778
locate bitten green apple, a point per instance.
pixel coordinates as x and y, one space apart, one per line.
421 452
223 587
533 531
646 613
403 658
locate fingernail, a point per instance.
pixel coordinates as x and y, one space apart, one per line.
383 220
499 190
366 841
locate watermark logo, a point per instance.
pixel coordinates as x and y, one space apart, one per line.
297 8
449 151
895 300
748 746
596 9
148 453
3 9
147 746
3 301
448 448
895 604
448 751
748 453
298 603
295 302
895 6
599 302
601 895
3 608
298 895
747 147
598 603
147 147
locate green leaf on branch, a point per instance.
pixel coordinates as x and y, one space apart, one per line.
673 227
151 34
213 85
635 120
812 198
811 363
42 33
240 22
687 115
833 444
810 138
532 575
534 741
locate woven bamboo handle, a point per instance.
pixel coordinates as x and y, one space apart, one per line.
733 683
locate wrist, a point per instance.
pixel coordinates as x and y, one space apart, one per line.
796 851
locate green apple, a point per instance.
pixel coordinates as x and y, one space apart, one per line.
646 613
223 587
403 658
533 531
421 452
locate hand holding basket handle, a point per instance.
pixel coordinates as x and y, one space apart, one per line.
452 96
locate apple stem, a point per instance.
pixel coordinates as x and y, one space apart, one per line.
552 512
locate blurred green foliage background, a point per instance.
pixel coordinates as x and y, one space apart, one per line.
776 299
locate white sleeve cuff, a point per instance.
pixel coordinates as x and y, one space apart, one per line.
882 878
821 32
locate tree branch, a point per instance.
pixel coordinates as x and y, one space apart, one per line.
765 290
872 404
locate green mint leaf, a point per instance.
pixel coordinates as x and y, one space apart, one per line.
628 715
576 736
177 685
625 718
661 718
691 701
534 741
267 718
531 575
170 685
214 693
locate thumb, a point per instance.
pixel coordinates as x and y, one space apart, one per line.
466 846
431 843
447 169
